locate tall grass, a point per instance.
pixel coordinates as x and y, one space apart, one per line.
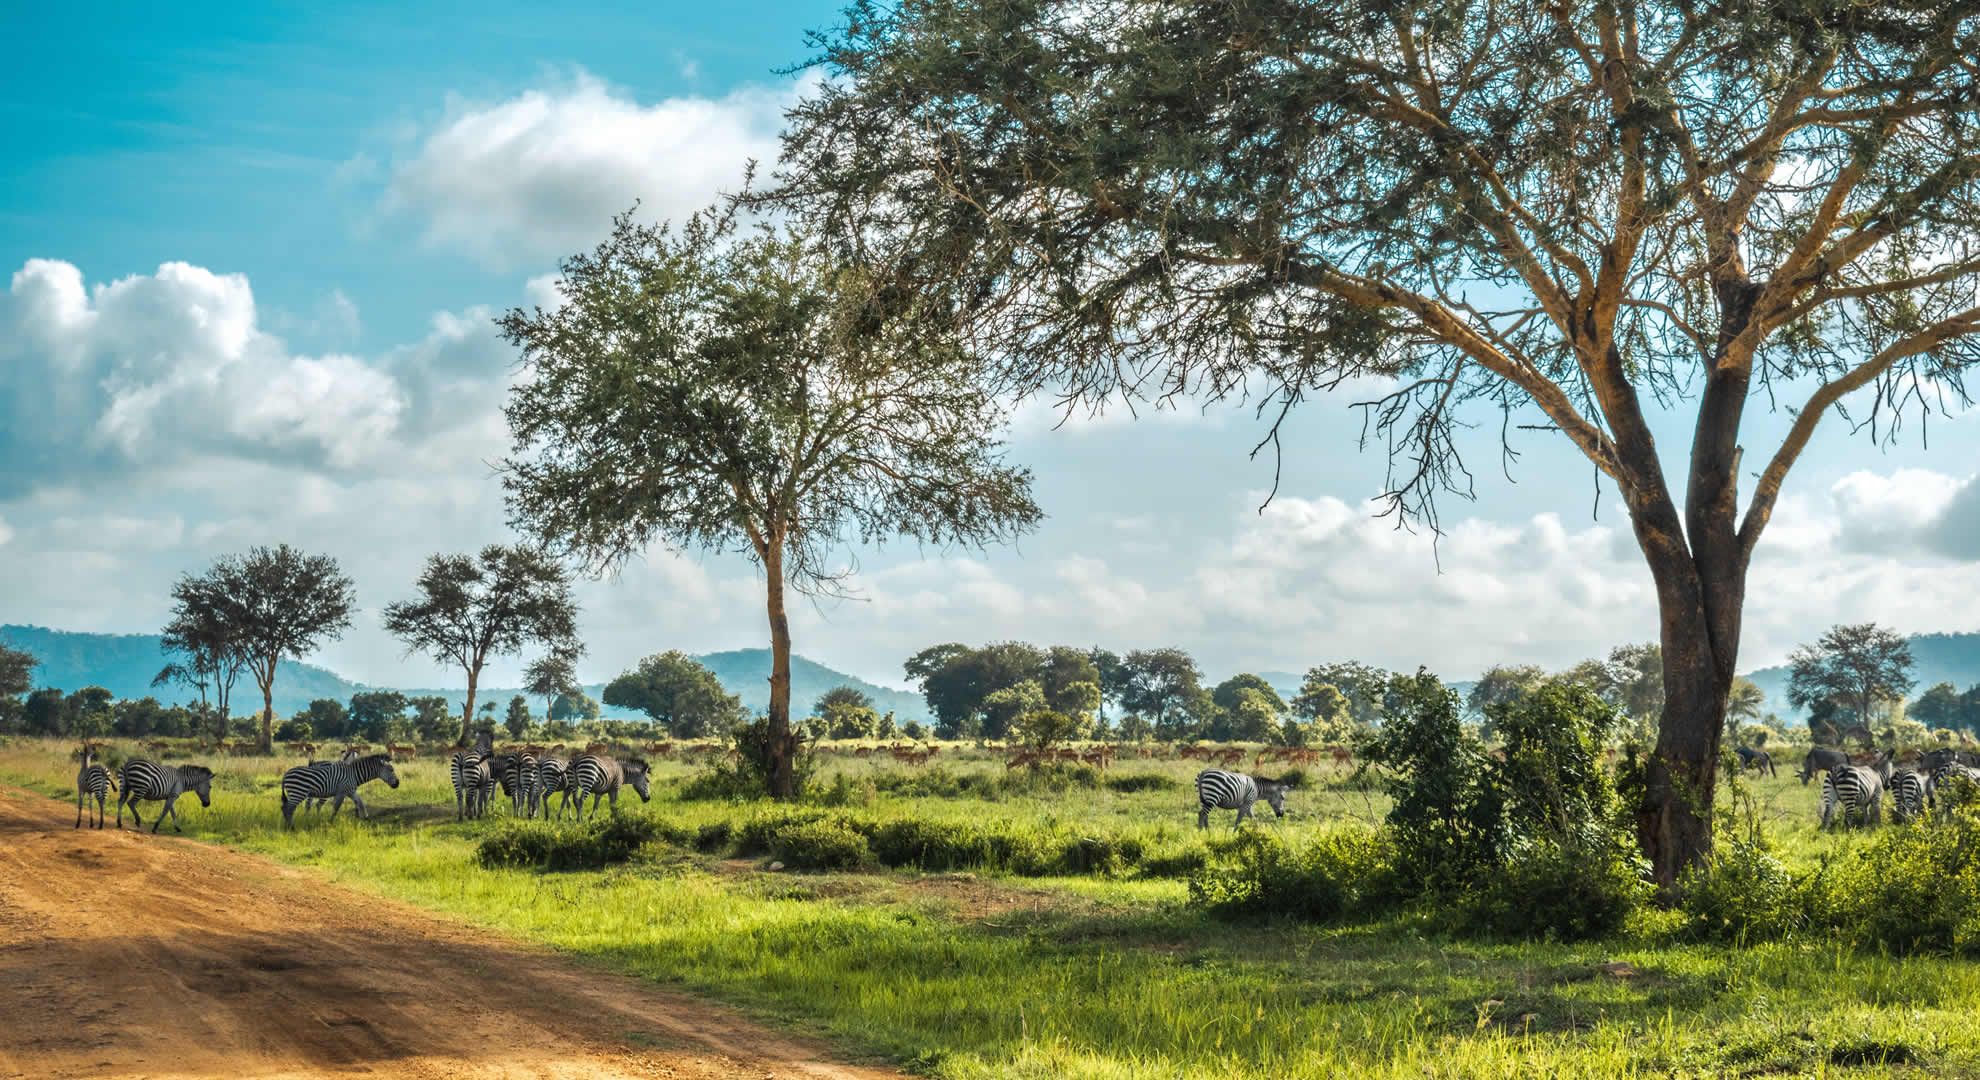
981 975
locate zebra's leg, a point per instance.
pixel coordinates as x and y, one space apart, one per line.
1203 816
288 814
336 804
121 796
171 807
357 805
1244 811
79 805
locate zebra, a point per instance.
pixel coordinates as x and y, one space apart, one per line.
1908 795
519 780
1821 759
600 777
142 779
345 758
92 781
1760 760
334 780
466 768
1856 789
550 778
1220 790
1943 790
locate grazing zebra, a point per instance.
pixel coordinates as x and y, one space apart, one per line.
519 780
336 781
1908 795
1855 789
466 768
92 781
1758 760
550 777
1220 790
600 777
142 779
1821 759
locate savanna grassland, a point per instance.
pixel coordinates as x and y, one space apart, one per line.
1044 928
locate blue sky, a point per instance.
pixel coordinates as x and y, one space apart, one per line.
254 253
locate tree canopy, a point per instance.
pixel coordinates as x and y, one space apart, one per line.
1571 216
678 693
734 390
472 608
1850 667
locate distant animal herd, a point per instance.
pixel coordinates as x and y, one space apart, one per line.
1855 787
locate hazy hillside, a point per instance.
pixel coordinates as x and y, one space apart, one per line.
125 663
1953 658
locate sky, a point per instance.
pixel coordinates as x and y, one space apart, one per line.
253 254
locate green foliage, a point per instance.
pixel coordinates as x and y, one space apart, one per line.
1741 893
1044 727
565 845
680 694
1343 874
376 715
821 844
1165 686
516 720
1848 670
1447 821
16 671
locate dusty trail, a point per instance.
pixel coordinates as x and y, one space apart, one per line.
150 956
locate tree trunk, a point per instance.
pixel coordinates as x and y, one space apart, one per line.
268 719
781 746
467 711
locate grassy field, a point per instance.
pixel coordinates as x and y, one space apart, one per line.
1110 974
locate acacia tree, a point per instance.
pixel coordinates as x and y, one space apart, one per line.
551 676
678 693
1575 213
472 608
736 390
202 636
270 605
1853 667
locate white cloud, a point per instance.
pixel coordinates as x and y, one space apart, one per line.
6 533
541 174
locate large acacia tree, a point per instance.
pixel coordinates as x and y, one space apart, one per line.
734 390
471 608
1852 666
1576 213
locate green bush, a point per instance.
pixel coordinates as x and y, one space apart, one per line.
1557 893
1129 785
550 845
825 844
1741 893
1912 889
1338 875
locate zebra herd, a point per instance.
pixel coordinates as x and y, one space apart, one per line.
528 780
1855 789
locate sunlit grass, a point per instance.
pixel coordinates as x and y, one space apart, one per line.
979 975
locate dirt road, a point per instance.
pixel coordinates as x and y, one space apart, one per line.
150 956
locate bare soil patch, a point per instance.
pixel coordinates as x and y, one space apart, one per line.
126 955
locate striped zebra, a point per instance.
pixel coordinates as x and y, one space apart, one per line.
550 776
345 758
92 781
467 768
1854 789
1948 785
1220 790
142 779
519 780
601 777
336 781
1908 795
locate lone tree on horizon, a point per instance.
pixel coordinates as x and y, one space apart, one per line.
734 390
472 608
1574 213
1851 666
266 606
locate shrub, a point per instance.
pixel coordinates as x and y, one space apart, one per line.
825 844
547 845
1741 893
1128 785
1912 889
1557 893
1338 875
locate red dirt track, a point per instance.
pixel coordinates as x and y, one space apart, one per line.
126 955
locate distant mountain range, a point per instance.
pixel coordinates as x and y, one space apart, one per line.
124 664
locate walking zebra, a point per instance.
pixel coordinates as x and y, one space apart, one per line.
468 768
92 781
344 758
336 781
550 777
519 780
142 779
600 777
1908 795
1855 789
1220 790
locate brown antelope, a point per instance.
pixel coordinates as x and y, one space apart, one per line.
402 752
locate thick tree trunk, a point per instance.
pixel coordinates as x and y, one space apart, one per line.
467 711
782 745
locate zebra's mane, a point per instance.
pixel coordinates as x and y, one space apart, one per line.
195 772
634 763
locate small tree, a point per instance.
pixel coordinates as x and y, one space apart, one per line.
433 718
847 712
270 605
200 634
550 677
679 693
1162 685
377 715
517 720
1744 704
327 719
1502 684
470 609
1851 667
16 671
1045 727
744 392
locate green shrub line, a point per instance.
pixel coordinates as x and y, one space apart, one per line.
565 845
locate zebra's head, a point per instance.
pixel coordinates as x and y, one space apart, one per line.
385 770
1274 794
200 779
635 773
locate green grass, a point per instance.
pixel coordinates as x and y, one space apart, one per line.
982 974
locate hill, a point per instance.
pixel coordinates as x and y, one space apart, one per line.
1953 658
125 663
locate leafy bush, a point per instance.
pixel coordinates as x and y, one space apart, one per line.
547 845
1741 893
824 844
1138 782
1557 893
1912 889
1338 875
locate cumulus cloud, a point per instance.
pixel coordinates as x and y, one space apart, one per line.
153 367
541 174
